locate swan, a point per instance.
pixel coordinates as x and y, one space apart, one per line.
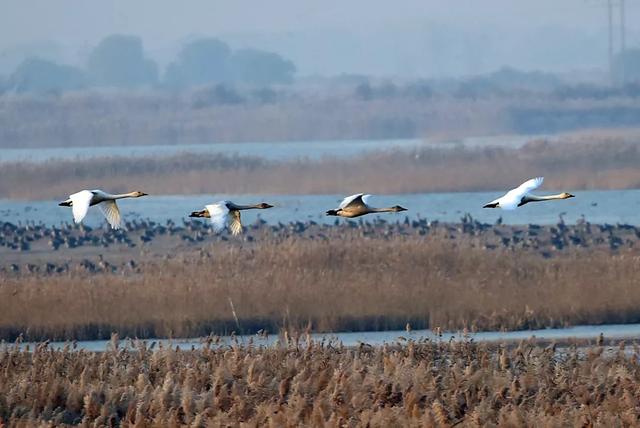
227 214
357 205
81 201
521 195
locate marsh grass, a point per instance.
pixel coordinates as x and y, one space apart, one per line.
569 164
348 283
314 384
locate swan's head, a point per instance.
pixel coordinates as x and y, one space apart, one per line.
398 208
566 195
333 212
138 194
492 205
264 206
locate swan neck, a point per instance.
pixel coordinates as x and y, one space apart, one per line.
121 195
246 207
533 198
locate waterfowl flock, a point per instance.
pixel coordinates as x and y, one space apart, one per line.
38 248
226 214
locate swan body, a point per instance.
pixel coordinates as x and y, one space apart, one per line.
227 214
81 201
357 205
522 195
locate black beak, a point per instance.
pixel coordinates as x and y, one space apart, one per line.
571 196
144 194
491 206
332 212
64 204
402 208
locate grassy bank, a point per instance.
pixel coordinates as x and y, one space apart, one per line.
566 165
346 283
424 384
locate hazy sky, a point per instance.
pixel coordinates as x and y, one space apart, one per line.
407 37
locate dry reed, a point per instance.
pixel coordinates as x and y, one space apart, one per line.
566 164
418 384
346 283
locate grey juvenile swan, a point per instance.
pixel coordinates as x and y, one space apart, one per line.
357 205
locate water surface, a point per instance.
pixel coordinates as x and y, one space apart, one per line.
376 338
614 206
272 151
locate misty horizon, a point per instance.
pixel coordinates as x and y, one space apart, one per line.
419 40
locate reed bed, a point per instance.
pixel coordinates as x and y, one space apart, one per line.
567 164
100 119
427 384
348 283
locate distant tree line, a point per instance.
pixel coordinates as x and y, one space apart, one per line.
119 61
504 83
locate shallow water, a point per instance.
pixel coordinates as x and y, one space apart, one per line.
619 206
272 151
375 338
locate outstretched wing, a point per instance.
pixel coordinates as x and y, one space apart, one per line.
80 204
528 186
219 214
511 200
356 199
235 225
111 212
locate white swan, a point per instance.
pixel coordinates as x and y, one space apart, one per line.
357 205
81 201
521 195
227 214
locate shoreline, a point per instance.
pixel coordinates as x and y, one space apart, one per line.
579 335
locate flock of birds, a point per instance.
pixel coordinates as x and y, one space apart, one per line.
226 214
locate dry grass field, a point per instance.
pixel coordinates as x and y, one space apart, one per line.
347 283
427 384
582 163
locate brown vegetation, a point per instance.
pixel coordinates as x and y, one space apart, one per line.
301 113
99 119
601 164
308 384
349 282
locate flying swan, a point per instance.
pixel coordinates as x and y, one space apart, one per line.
227 214
357 205
81 201
521 195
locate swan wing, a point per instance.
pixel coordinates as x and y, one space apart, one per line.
219 214
80 204
111 212
512 198
353 199
235 225
527 186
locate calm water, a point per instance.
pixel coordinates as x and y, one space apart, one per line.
613 331
272 151
619 206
